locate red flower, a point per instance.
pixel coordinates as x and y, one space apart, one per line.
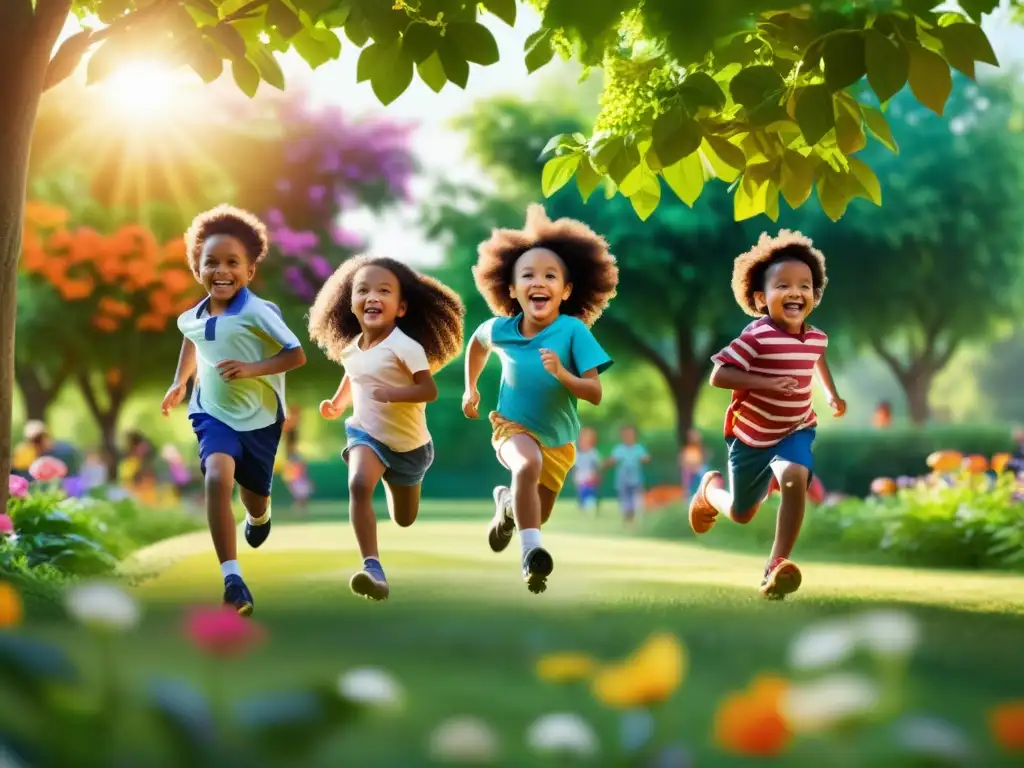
222 632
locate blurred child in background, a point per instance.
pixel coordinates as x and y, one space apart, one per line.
587 472
692 462
628 458
296 473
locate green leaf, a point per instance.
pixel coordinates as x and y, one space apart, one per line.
431 72
561 140
879 128
283 19
184 713
797 178
646 198
675 136
538 50
868 180
624 161
844 60
715 149
230 38
832 195
204 59
247 77
268 67
292 725
30 666
474 41
978 8
850 135
503 9
815 113
420 41
753 198
759 90
728 152
929 78
604 150
456 68
686 178
699 90
888 65
587 178
317 46
356 30
388 68
964 44
557 172
68 57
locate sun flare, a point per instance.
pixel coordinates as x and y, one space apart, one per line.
142 91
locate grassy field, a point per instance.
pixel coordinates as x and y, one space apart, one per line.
462 633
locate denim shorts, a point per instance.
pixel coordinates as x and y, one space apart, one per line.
750 469
401 468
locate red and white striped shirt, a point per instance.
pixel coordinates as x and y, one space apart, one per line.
761 419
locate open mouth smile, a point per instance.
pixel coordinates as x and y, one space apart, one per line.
539 301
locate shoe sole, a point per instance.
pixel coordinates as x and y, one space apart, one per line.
784 581
702 515
361 584
541 566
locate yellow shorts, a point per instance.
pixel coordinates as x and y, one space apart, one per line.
557 461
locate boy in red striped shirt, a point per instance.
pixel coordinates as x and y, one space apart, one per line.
770 423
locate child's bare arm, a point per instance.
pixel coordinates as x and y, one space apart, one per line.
731 377
284 361
836 403
422 390
476 358
585 387
182 375
339 403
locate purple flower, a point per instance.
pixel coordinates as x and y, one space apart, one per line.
321 267
283 185
275 218
346 238
317 193
292 243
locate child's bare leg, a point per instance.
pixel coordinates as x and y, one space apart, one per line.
365 470
793 482
547 503
403 503
521 454
220 482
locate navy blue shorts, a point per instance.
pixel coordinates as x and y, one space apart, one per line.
401 468
750 469
254 452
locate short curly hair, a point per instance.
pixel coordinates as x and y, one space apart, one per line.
434 316
226 220
750 268
591 267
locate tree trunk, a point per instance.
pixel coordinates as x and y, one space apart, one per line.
38 392
686 386
917 386
106 416
28 32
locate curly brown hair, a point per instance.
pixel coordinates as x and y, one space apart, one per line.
591 267
434 314
226 220
750 268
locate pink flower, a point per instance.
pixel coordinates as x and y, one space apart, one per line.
17 487
6 525
222 632
47 468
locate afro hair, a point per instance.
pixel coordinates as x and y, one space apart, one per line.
226 220
750 268
591 268
434 313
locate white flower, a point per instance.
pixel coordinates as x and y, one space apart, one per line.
888 633
370 686
101 605
936 739
818 705
563 732
823 645
464 740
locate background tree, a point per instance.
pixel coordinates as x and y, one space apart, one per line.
743 84
941 263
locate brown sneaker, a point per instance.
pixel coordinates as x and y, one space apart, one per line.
702 514
782 578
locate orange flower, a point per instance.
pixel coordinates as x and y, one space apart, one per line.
976 464
151 322
883 486
945 461
1007 724
86 246
115 308
10 606
113 377
177 280
999 461
161 302
76 290
750 722
44 215
174 251
104 323
58 245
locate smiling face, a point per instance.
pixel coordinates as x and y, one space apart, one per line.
539 285
224 267
788 294
376 298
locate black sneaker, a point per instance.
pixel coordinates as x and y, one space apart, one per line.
257 534
537 566
238 596
503 525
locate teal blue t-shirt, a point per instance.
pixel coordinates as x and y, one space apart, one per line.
531 396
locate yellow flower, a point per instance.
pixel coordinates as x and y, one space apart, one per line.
649 676
565 667
10 606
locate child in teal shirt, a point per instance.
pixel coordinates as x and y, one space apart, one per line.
548 284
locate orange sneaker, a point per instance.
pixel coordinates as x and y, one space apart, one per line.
782 578
702 514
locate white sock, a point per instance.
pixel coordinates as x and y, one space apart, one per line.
530 537
262 520
230 568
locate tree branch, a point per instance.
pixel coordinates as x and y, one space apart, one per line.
893 362
646 351
947 355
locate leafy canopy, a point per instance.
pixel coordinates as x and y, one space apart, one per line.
737 90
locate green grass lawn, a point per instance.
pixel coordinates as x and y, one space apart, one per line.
462 633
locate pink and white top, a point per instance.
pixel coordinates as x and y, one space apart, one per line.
762 419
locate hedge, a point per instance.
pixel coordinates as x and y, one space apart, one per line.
846 460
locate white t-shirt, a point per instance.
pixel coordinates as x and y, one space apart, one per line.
587 465
391 363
